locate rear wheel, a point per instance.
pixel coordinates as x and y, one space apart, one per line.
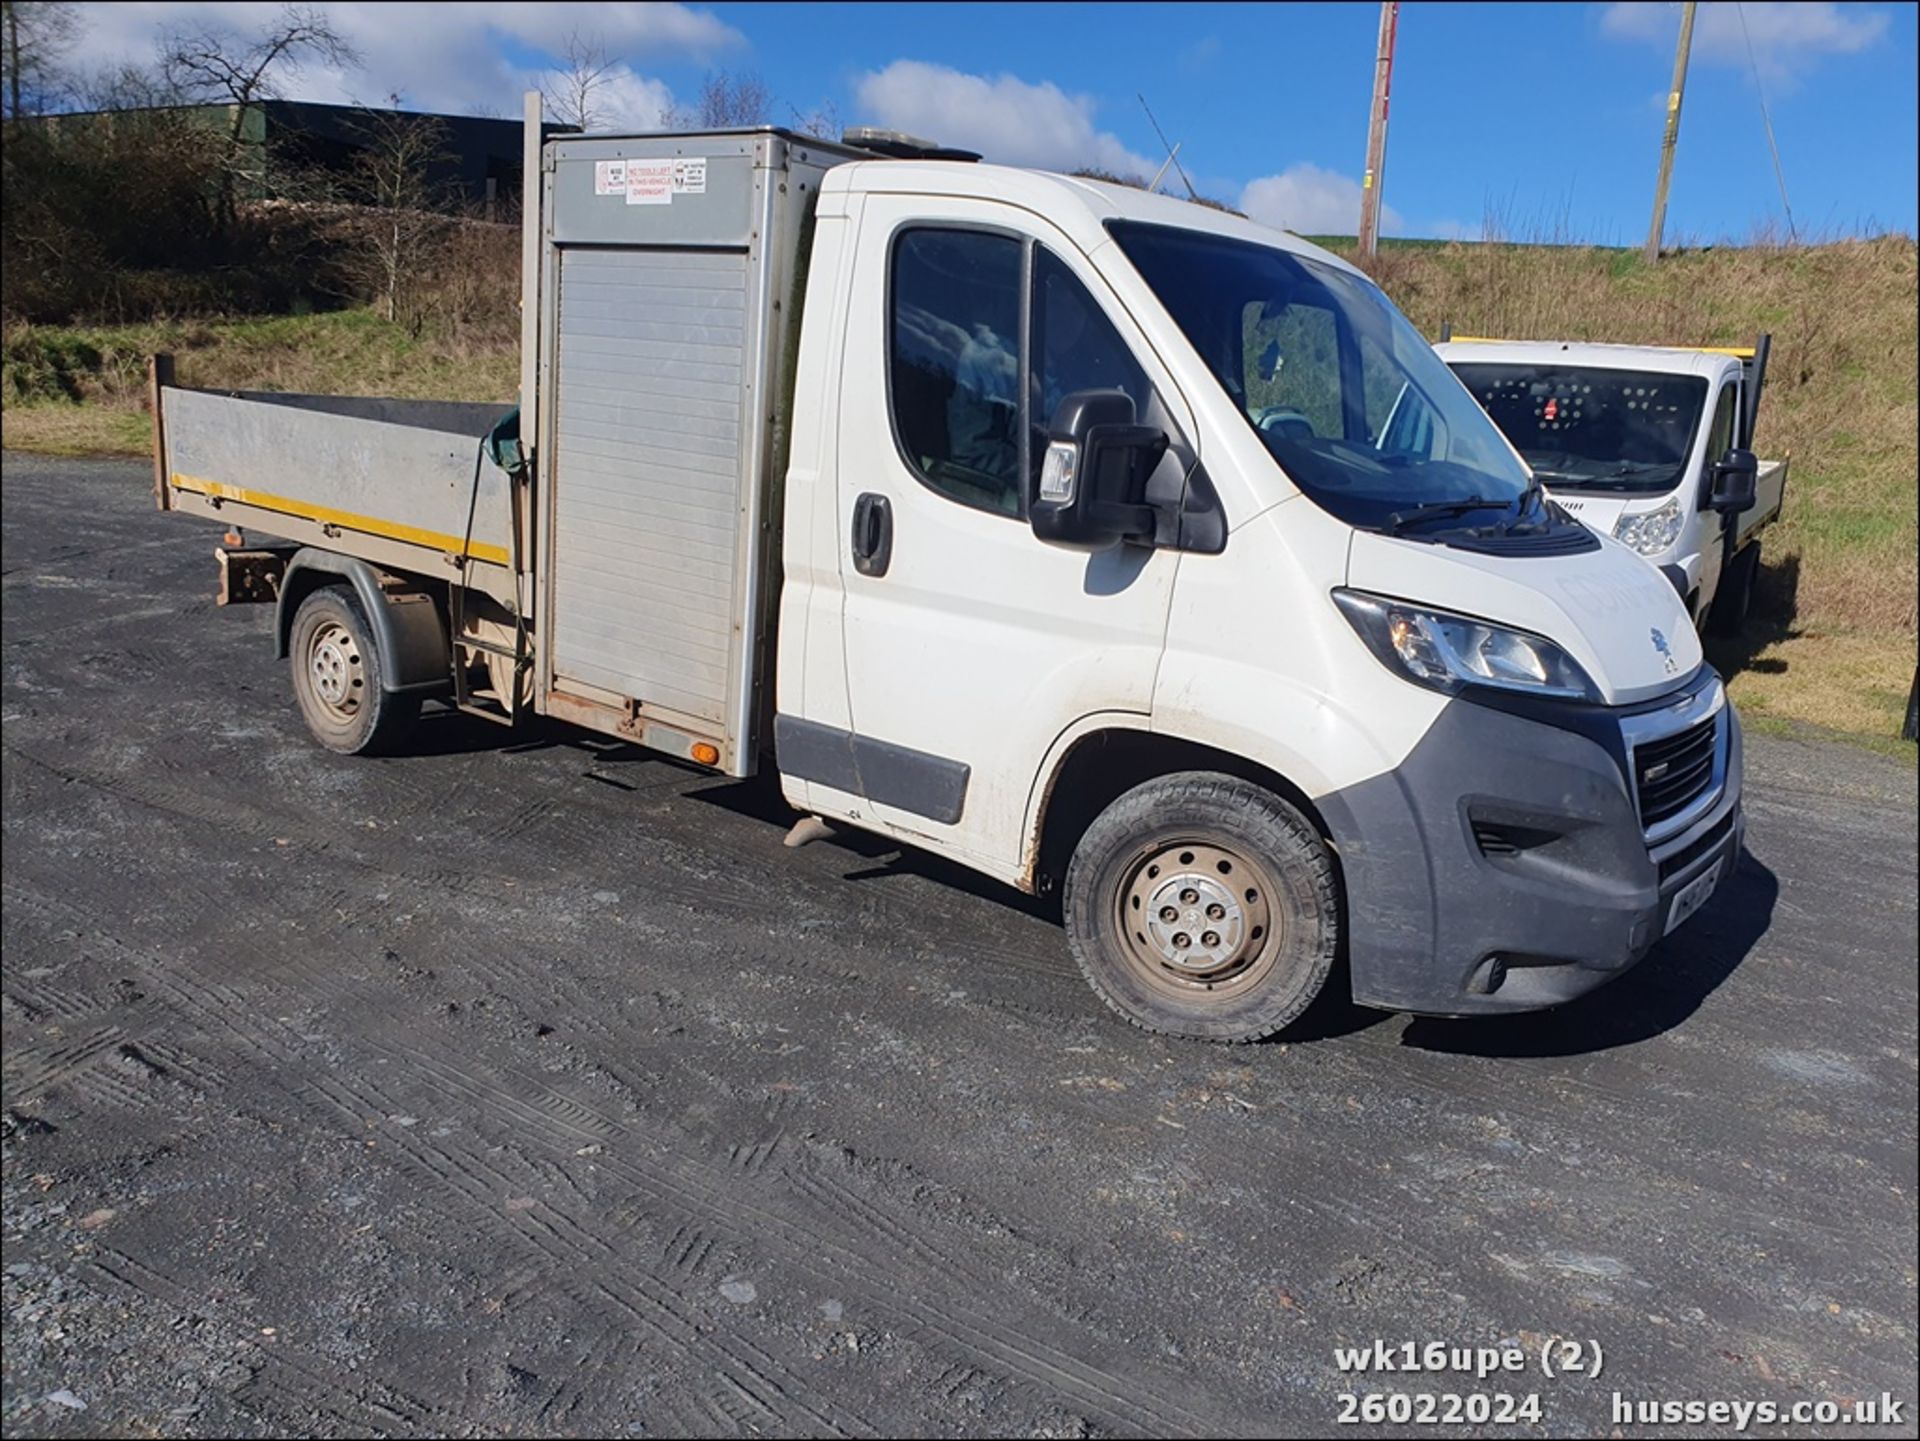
1734 599
338 675
1204 906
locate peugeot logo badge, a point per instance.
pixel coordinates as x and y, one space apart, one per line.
1666 651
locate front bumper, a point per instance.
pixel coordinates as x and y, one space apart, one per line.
1503 866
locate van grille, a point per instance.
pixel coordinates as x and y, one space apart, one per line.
1672 772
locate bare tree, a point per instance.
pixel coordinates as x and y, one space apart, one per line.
34 34
403 212
727 101
822 121
211 66
126 87
570 93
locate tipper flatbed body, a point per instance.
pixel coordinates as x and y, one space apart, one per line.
1096 541
665 336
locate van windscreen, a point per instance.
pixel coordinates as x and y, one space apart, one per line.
1583 427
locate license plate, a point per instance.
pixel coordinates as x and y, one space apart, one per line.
1692 896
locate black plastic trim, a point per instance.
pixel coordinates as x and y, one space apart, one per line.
882 772
1597 722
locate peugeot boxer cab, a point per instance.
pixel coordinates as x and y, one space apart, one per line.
1179 512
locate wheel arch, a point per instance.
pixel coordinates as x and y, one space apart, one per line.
403 610
1111 757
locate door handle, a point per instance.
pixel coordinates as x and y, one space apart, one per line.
872 534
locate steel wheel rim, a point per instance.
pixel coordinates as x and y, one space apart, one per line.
336 671
1198 918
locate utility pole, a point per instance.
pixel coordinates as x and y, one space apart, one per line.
1377 130
1673 130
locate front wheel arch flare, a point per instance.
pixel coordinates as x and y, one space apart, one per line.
1104 764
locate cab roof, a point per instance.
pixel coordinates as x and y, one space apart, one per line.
1661 359
1082 208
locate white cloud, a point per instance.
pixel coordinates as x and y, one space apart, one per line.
1005 118
442 57
1307 200
621 100
1787 38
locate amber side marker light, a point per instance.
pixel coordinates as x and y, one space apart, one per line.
707 755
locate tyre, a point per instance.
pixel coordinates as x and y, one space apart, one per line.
1728 613
1203 906
338 675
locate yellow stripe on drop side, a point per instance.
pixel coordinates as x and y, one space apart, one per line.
346 520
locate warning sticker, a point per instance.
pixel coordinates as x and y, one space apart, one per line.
610 177
650 182
690 176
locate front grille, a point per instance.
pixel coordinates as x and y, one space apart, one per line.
1683 860
1671 773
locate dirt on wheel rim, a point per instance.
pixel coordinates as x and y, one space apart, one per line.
1196 917
335 671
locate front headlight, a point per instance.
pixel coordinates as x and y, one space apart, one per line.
1651 532
1444 651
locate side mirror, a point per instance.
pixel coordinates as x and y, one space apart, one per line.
1093 478
1735 483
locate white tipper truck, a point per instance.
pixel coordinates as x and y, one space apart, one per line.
1650 444
1087 537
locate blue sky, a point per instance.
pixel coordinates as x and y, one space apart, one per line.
1545 118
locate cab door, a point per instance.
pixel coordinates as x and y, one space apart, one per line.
1712 529
970 644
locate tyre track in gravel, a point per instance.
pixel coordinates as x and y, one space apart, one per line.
998 977
699 1191
1354 1214
1370 1213
465 1173
287 1381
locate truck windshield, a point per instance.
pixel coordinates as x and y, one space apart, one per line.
1585 428
1356 407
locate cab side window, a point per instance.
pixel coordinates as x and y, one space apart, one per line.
1720 438
955 363
1075 346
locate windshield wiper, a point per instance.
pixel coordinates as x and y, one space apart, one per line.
1401 519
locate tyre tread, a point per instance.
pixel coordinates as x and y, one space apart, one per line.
1138 809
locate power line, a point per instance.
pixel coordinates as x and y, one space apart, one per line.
1766 119
1173 151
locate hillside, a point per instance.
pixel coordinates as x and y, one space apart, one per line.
1833 640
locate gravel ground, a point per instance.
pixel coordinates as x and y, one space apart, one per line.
535 1088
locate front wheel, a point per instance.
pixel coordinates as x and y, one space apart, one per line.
339 674
1203 906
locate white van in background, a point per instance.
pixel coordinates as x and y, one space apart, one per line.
1651 445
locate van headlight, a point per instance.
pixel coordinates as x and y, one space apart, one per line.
1444 651
1652 531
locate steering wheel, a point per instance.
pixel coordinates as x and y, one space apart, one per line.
1285 423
